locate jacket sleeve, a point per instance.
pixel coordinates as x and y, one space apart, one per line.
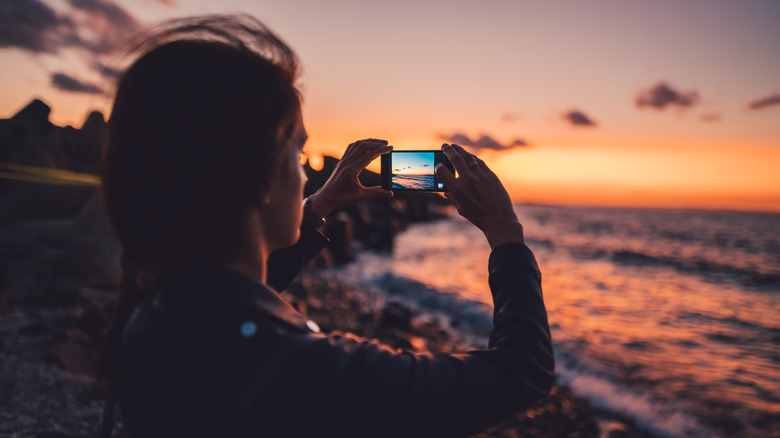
358 387
284 264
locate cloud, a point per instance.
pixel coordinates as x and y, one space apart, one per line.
483 142
106 25
97 26
94 28
578 118
765 102
33 26
63 82
107 72
662 95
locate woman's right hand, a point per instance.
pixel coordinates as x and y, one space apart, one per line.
479 196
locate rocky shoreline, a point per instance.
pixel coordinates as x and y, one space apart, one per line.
58 270
49 336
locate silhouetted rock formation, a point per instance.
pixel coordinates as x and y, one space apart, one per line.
29 139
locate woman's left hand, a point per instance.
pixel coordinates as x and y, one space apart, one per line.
343 187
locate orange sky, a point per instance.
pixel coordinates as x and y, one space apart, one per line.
415 72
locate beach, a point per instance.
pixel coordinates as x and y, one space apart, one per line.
50 332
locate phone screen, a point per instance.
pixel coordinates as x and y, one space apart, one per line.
413 170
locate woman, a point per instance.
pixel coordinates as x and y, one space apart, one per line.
202 183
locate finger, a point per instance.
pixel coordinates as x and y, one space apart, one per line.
357 144
484 167
455 158
364 153
358 149
374 140
469 158
365 146
445 176
372 155
349 150
466 154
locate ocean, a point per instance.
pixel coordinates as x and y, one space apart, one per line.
415 182
667 317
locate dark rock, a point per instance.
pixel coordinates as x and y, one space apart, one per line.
340 231
83 148
395 338
58 435
51 292
32 201
396 315
62 292
73 355
35 328
29 139
93 321
616 429
36 114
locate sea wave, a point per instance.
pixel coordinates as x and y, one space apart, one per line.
661 417
668 310
472 321
709 270
414 182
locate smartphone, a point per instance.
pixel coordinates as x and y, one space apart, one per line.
413 170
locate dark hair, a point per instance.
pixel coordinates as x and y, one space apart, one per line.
195 138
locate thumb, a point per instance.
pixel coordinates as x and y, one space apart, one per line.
445 176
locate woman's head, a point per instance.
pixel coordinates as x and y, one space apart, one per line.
198 135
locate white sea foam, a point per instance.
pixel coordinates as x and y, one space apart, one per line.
660 417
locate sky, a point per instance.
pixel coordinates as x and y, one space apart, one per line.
413 163
604 102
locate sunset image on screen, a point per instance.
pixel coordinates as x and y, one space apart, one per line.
413 170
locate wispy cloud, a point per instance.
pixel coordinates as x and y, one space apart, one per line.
64 82
33 26
768 101
662 95
107 26
169 3
578 118
484 142
106 71
94 28
97 26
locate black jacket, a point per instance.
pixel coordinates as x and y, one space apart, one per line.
215 353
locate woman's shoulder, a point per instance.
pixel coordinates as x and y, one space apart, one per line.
226 293
197 342
208 321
